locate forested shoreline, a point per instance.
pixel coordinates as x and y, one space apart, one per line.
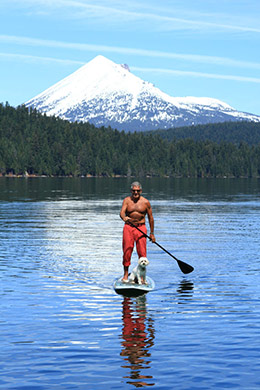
35 144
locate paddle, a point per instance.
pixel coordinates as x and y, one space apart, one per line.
185 268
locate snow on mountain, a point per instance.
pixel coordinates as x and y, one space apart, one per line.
107 94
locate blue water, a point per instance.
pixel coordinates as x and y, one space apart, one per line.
63 327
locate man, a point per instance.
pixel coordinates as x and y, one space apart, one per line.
134 210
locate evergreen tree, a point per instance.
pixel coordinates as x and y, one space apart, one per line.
35 143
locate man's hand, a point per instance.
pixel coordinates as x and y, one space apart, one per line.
152 238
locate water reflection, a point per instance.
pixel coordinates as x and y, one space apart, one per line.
185 288
137 339
184 292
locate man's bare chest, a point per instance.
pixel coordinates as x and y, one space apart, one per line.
139 207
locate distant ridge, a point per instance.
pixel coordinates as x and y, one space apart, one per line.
107 94
234 132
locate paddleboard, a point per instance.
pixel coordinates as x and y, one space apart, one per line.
133 289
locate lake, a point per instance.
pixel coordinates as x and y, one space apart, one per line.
63 326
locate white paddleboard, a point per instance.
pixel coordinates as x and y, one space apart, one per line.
133 289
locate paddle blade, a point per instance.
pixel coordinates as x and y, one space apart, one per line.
185 268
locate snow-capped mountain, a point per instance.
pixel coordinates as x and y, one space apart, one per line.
107 94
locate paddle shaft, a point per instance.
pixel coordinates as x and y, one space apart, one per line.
185 268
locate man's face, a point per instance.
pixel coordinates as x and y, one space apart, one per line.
136 192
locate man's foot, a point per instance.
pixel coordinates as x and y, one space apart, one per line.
125 280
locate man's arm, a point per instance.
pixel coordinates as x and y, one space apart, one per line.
151 221
123 211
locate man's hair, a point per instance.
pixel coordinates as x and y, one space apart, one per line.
136 184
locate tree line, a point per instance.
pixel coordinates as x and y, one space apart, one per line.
234 132
33 143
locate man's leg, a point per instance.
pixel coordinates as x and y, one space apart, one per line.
128 246
125 277
141 241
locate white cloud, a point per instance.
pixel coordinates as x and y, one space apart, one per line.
198 74
196 58
38 59
171 17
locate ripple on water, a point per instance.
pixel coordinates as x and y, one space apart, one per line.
63 327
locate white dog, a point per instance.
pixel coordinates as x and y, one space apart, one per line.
138 274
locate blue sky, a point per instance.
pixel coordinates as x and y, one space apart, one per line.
184 47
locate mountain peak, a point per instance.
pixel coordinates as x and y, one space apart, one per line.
101 64
100 61
105 93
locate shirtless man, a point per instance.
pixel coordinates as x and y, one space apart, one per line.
134 210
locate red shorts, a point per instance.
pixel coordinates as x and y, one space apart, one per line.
131 236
